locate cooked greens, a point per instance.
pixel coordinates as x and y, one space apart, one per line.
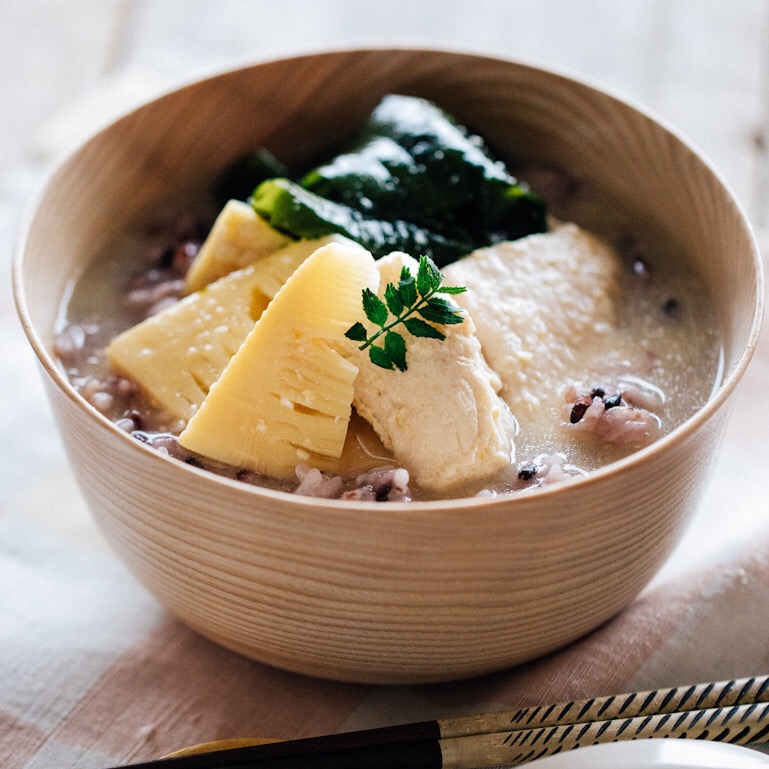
413 181
291 208
414 162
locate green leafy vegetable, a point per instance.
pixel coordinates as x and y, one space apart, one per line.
290 208
413 161
412 296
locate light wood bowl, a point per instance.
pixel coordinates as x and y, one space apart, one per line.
368 592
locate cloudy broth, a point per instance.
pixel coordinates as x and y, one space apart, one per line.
666 345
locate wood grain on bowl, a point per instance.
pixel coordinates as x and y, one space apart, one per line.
394 593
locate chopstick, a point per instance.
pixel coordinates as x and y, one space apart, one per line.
651 702
731 711
739 724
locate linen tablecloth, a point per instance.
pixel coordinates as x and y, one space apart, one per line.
94 672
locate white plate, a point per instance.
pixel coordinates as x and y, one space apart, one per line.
657 754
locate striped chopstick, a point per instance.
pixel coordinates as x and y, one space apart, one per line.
732 711
652 702
738 724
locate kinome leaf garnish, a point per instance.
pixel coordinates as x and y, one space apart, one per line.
412 297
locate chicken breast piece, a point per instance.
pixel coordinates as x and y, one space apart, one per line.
543 307
442 418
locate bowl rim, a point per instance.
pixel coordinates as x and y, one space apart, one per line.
720 393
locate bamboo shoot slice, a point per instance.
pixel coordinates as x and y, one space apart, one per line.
238 238
176 355
286 396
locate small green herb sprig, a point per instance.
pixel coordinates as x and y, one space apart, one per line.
402 303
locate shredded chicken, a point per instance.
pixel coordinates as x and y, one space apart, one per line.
543 306
442 417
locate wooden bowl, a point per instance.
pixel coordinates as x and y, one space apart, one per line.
389 593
